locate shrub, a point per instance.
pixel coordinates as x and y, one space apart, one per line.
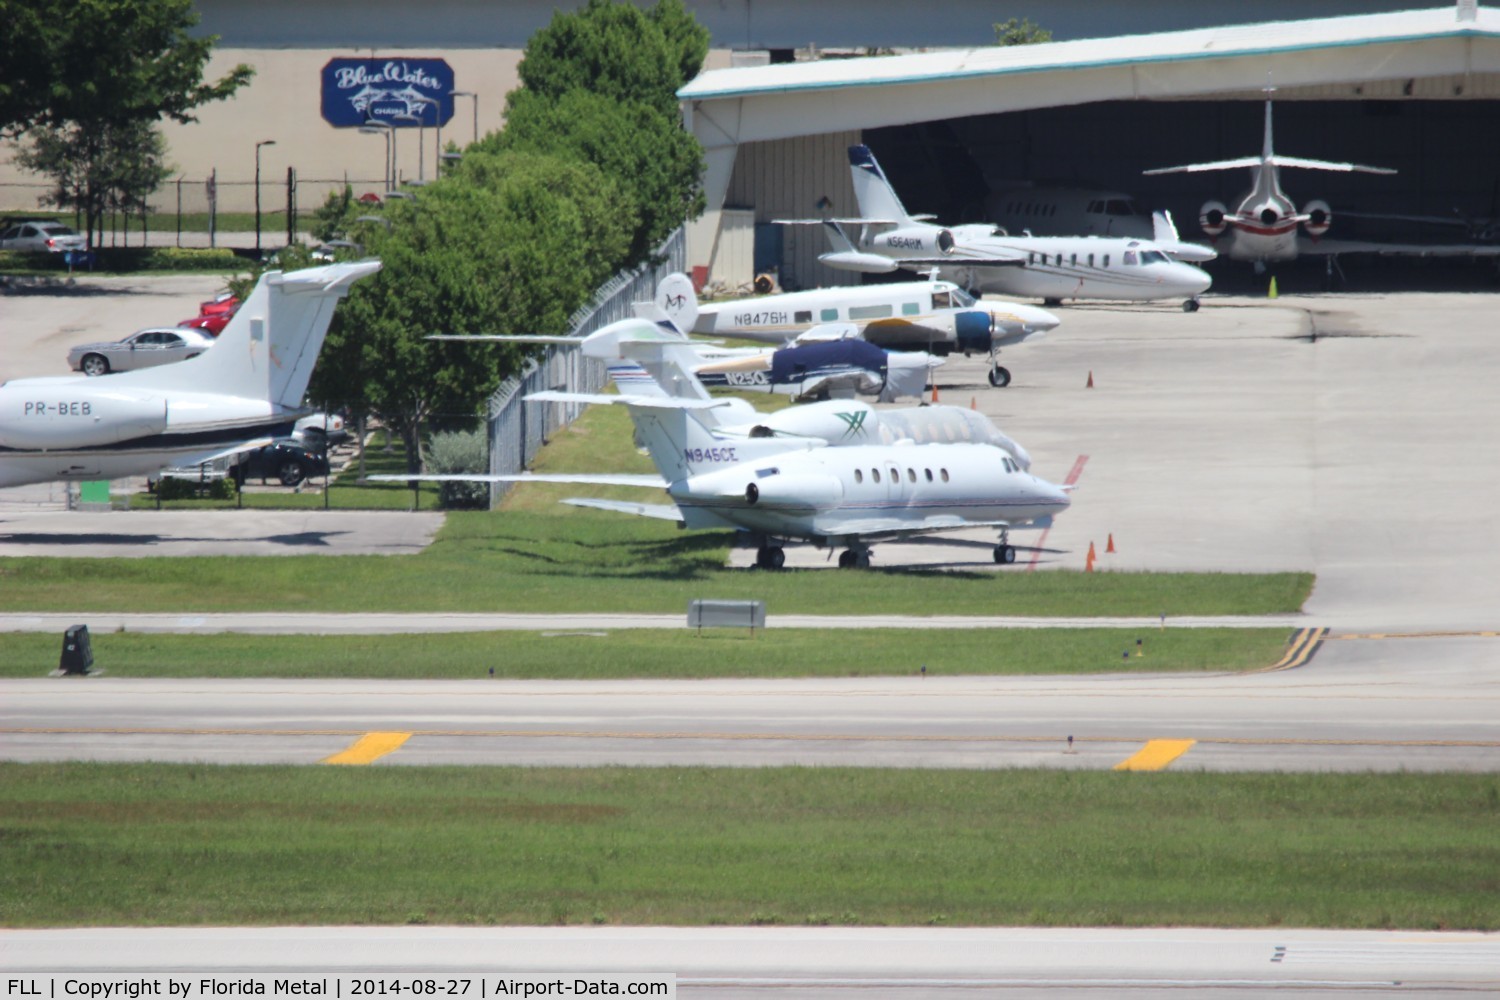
458 452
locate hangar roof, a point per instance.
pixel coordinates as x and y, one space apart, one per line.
767 102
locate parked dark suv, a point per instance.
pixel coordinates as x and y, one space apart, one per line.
284 460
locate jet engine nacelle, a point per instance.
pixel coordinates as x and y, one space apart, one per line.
923 240
797 490
61 415
867 263
1212 218
1319 218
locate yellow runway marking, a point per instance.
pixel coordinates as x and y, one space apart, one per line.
369 747
1155 755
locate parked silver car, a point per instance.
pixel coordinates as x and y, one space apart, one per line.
51 237
158 345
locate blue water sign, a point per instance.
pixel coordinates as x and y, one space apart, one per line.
402 93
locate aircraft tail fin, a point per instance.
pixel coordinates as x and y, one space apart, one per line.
268 350
1163 229
682 443
677 301
872 191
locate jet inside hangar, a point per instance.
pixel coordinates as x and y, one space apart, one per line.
1416 91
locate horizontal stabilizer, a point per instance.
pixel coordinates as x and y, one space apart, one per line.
1293 161
656 402
1197 168
856 221
598 479
661 511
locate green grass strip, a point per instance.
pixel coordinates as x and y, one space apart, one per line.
655 653
102 844
535 554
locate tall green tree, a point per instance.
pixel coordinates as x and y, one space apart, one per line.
113 168
504 244
93 75
600 84
1020 31
90 62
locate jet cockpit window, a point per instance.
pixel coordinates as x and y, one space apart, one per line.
1119 206
962 299
1153 257
941 300
1130 257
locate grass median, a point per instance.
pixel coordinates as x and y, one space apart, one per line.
102 844
655 653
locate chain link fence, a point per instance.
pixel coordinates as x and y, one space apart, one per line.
183 211
517 430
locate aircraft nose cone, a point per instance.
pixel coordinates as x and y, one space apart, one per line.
1195 277
1038 319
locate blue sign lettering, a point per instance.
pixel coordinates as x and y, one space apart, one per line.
403 93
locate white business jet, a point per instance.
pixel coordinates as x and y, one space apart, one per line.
777 489
1262 226
238 396
935 317
981 256
1063 211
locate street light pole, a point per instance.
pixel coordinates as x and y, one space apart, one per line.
383 130
263 142
469 93
421 137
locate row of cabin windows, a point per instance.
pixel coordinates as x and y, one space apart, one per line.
911 475
1040 258
1030 208
864 312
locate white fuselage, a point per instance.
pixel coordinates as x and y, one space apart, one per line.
79 429
1262 225
1065 267
824 494
910 315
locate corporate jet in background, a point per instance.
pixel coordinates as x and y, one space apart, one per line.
238 396
1063 211
936 317
981 256
1262 225
776 489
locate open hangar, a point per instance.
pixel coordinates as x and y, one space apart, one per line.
1415 90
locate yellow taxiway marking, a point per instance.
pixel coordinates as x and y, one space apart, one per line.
1155 755
369 747
1304 644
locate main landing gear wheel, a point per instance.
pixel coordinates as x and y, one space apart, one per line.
770 557
852 559
1005 554
1190 306
95 364
999 376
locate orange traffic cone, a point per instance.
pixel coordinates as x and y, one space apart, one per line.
973 402
1088 566
934 392
1111 546
1091 379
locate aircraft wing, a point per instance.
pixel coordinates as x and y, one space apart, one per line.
599 479
1197 168
1329 247
661 511
961 258
232 450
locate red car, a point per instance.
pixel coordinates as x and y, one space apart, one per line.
213 315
